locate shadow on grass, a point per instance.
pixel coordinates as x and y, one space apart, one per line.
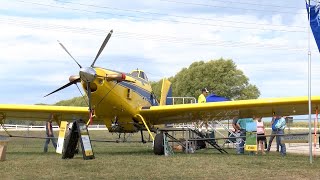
127 152
31 153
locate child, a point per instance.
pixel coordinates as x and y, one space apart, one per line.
260 135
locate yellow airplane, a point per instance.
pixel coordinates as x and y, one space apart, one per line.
125 103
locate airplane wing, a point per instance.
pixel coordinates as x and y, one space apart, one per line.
42 112
229 109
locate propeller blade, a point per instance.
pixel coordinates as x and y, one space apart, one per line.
102 47
69 53
67 85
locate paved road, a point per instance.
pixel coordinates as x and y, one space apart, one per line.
298 148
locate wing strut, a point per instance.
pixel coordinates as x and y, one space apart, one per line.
145 124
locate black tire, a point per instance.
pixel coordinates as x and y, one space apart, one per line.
158 147
201 144
70 145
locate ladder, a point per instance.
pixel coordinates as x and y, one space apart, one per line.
212 142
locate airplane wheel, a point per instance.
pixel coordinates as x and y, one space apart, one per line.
201 145
158 147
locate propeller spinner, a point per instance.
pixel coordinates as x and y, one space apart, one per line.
88 74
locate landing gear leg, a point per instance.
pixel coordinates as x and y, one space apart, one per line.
142 139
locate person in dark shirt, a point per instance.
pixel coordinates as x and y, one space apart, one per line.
50 135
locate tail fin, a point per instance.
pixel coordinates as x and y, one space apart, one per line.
166 91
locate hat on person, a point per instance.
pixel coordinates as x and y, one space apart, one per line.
205 90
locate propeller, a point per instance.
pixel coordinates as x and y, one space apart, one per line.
87 74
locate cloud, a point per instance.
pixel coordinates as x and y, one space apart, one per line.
161 39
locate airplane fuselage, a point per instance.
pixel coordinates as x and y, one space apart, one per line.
117 102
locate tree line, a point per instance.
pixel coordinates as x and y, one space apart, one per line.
221 77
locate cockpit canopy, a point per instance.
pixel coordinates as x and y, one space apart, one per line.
139 74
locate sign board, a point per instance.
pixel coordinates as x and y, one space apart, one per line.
251 141
85 141
62 133
295 138
251 136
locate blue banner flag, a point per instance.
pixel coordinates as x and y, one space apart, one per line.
314 20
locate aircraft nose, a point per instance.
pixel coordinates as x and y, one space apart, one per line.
87 74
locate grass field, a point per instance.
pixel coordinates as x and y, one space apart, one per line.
25 160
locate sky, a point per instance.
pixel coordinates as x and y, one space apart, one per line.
268 40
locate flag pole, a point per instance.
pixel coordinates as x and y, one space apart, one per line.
309 85
315 134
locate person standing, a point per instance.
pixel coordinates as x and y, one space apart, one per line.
50 135
209 132
235 125
202 97
242 123
281 125
236 130
274 121
261 138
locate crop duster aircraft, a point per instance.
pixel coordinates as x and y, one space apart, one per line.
125 103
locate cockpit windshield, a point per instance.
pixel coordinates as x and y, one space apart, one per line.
135 73
139 74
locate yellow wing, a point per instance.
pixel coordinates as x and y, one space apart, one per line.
42 112
228 109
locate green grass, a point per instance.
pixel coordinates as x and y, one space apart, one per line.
25 160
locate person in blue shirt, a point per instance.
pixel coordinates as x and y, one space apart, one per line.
274 121
281 125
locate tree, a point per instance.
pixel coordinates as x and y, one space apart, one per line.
156 87
76 101
219 76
